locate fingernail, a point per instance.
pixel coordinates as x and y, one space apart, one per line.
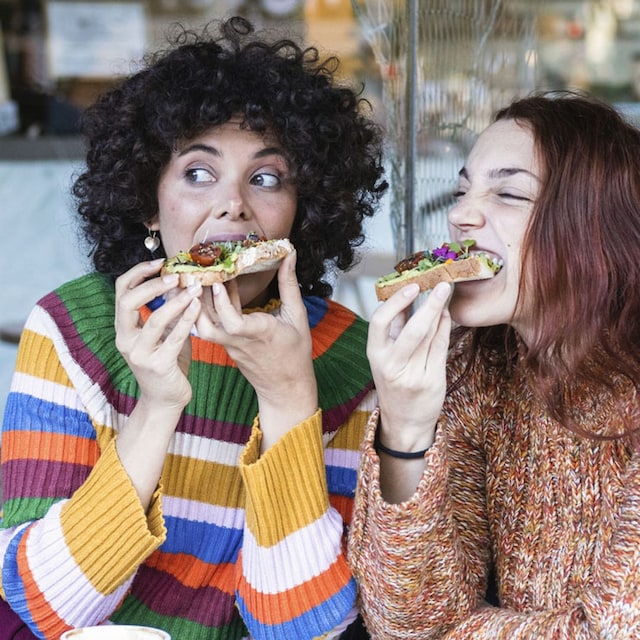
157 262
216 287
170 278
411 290
194 288
442 290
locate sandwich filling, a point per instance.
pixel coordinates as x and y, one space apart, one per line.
448 253
212 256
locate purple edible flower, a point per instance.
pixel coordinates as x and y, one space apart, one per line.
445 253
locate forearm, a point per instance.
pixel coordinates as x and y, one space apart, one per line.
410 558
142 445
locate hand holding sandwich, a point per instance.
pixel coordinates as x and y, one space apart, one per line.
408 358
272 350
158 353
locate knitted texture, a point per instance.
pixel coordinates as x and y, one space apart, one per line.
506 489
233 543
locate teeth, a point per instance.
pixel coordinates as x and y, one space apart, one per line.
491 256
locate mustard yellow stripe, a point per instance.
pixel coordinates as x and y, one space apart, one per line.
200 480
104 434
117 528
351 434
36 357
300 495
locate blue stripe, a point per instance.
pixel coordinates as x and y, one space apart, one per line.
316 309
315 622
13 585
29 413
341 481
207 542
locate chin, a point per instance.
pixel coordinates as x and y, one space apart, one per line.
467 313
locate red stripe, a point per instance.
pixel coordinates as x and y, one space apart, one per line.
276 609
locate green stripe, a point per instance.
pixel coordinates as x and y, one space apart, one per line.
18 510
343 370
221 393
133 611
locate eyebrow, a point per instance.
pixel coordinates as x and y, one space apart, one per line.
206 148
499 173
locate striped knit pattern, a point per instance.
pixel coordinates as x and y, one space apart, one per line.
557 517
233 544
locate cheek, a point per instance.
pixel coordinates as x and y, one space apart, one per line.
280 224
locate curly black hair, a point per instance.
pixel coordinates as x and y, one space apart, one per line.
201 81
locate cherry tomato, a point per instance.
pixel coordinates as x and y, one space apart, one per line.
205 253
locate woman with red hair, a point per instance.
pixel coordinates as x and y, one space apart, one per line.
499 491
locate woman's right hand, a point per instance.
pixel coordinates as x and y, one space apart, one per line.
159 354
158 351
408 361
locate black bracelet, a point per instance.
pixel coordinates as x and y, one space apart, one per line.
404 455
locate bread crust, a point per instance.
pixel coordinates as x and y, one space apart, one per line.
262 256
470 268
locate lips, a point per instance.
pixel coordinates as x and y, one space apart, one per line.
225 237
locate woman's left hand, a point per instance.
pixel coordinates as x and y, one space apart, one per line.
273 351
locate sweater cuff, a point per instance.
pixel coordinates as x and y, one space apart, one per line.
429 489
286 486
105 520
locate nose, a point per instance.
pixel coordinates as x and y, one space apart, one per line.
467 213
230 202
233 209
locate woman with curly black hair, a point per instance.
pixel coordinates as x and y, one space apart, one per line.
185 458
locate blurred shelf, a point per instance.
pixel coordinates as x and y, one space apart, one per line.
41 148
10 332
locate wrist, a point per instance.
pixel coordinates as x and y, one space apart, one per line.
396 453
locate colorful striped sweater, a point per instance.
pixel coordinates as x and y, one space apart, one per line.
231 538
554 515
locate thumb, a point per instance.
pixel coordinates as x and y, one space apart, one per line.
288 281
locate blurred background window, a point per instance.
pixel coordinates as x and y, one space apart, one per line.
433 70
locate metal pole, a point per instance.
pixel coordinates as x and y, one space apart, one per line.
412 125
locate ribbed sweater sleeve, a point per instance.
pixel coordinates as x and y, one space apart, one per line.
296 582
69 547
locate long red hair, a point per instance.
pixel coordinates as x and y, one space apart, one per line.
581 253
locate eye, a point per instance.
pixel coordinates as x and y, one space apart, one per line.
459 192
268 180
513 196
199 174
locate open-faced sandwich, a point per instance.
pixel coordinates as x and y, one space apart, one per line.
452 262
211 262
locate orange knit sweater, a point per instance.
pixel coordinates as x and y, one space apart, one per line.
556 516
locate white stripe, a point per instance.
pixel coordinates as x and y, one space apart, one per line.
46 390
206 449
297 559
346 458
57 575
202 512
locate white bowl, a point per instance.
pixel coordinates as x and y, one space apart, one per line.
116 632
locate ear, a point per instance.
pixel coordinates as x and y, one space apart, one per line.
153 224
